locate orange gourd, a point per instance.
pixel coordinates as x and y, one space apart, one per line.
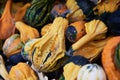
108 59
7 26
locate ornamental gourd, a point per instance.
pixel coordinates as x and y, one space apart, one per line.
48 52
91 72
38 13
12 45
22 71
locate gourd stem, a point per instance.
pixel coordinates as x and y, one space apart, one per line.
82 41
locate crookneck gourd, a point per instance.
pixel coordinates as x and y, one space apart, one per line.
95 30
12 45
38 13
47 53
3 71
22 71
79 9
7 27
26 32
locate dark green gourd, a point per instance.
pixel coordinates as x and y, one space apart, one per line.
38 13
117 56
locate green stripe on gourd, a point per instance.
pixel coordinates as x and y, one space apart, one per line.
117 56
38 13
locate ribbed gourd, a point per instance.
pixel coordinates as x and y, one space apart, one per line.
38 13
48 52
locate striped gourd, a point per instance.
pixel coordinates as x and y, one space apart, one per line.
38 13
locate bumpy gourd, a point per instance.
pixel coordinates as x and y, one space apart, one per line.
22 71
12 45
91 72
38 13
47 53
26 32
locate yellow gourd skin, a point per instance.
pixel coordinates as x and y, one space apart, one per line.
26 32
22 71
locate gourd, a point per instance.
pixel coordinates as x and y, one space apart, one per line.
3 71
21 12
72 67
79 9
75 31
106 6
91 72
38 14
117 56
92 50
108 54
7 26
59 10
95 30
48 52
12 45
24 72
26 32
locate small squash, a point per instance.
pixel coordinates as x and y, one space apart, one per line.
75 31
107 6
95 30
22 71
21 12
91 72
59 10
72 67
3 71
26 32
92 50
109 65
12 45
7 26
79 9
38 14
48 52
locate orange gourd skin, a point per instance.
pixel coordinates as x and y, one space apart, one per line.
108 59
7 26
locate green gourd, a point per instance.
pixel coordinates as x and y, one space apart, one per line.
117 56
38 13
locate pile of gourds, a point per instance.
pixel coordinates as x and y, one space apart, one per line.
60 39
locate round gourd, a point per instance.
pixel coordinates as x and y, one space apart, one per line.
38 13
22 71
91 72
12 45
75 31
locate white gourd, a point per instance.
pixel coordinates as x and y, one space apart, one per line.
91 72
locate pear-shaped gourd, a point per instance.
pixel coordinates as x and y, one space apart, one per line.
26 31
91 72
47 53
22 71
3 71
7 26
